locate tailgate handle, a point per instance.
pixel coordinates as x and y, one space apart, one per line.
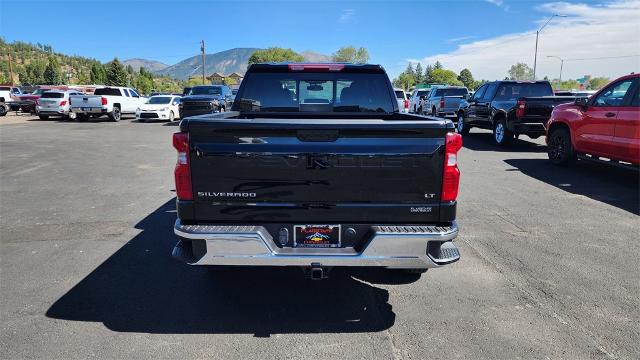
318 135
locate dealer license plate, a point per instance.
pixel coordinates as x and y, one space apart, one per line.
320 236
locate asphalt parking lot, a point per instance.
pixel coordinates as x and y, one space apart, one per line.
549 263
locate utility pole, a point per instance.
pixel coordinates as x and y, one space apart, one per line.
535 55
10 68
202 49
561 64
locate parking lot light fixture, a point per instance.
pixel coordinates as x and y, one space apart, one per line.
561 63
535 56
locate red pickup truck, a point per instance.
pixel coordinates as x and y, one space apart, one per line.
606 125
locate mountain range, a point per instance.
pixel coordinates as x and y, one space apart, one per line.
223 62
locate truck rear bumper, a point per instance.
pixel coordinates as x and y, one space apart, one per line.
89 110
527 128
395 246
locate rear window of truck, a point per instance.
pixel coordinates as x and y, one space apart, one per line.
315 92
451 92
513 91
52 95
108 91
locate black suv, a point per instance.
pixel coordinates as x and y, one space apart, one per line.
206 99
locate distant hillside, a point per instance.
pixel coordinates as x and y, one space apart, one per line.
150 65
224 62
312 56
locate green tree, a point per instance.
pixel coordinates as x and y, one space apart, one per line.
442 76
569 85
419 75
97 75
404 81
52 72
520 71
410 72
116 74
466 78
229 81
427 73
351 55
597 83
275 54
437 65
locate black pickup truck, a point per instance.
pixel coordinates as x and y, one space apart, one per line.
205 99
510 108
315 167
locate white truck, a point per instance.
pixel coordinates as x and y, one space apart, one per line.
8 94
113 101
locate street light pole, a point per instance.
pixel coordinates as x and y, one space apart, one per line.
561 63
535 56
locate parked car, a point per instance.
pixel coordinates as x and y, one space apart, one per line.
510 108
403 100
56 103
445 101
159 107
278 181
606 125
110 101
8 95
414 101
27 102
206 99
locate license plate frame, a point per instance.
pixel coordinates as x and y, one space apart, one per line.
317 236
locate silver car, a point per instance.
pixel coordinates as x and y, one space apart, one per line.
56 103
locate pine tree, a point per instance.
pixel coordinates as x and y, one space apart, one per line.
116 74
419 74
52 72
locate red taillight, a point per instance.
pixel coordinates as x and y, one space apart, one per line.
104 100
63 102
316 67
406 104
520 109
441 103
182 171
451 173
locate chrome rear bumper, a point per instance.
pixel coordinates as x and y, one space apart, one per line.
400 247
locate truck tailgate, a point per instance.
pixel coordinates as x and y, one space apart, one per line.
287 170
85 101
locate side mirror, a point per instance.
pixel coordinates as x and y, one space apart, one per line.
583 102
465 96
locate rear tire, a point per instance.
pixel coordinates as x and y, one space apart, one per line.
171 116
115 114
4 109
560 150
43 117
501 135
462 127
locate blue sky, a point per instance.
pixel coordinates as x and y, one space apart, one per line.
392 31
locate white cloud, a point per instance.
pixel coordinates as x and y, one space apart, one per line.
499 3
346 16
459 39
589 31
